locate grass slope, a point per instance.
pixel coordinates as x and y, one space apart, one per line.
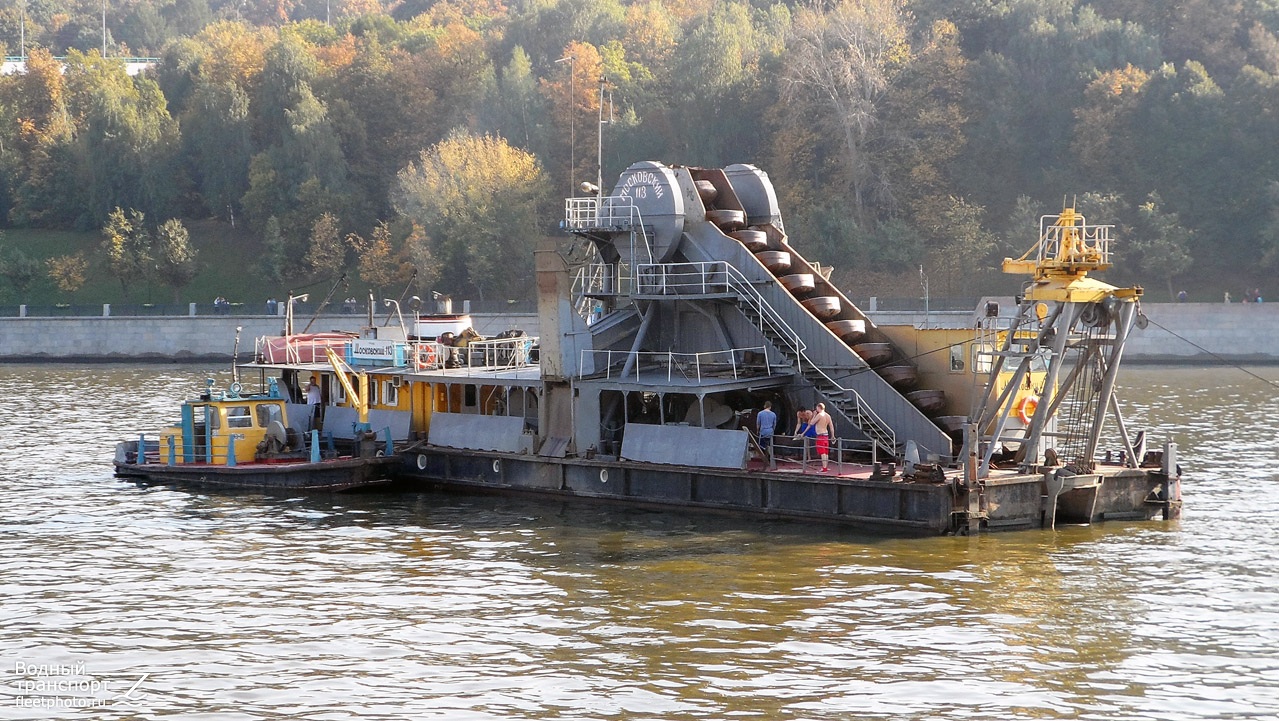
227 259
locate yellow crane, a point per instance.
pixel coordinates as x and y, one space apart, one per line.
360 396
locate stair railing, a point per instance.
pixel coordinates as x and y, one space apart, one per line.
863 415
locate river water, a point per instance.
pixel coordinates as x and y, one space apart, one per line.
119 601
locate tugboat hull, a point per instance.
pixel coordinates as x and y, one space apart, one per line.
339 474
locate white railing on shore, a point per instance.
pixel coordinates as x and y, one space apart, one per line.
689 366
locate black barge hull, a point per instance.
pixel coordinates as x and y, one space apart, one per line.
882 506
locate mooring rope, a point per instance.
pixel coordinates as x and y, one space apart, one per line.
1224 361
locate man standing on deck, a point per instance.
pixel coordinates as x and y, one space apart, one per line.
766 424
823 425
313 399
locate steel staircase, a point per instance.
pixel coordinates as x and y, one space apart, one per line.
844 401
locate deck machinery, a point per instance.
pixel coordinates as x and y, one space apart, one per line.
684 262
684 308
696 260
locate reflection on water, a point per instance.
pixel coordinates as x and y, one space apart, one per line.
465 607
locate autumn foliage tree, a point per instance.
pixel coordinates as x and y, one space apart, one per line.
68 272
481 203
126 243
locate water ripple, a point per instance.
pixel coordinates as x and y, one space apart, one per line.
250 606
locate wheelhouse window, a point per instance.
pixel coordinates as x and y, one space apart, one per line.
238 417
390 393
268 412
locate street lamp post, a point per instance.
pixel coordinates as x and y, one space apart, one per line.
599 146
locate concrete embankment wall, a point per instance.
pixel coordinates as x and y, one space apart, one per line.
1239 332
1177 332
166 338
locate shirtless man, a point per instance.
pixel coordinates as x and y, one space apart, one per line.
824 425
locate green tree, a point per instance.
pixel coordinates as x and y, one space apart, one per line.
1164 244
962 249
274 264
39 134
175 257
219 145
127 141
326 254
380 263
127 247
19 271
840 62
480 201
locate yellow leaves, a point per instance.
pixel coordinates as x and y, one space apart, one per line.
68 271
1109 102
380 263
464 171
650 32
478 198
1118 82
235 52
339 55
457 39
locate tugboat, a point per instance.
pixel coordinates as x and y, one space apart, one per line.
693 309
261 440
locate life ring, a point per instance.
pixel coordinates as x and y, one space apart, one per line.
1026 408
426 356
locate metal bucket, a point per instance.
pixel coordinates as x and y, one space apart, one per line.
775 260
899 376
706 191
799 284
754 240
929 402
874 353
727 220
823 307
850 331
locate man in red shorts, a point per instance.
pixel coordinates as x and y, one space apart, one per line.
825 426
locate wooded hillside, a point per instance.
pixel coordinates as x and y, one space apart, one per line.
440 136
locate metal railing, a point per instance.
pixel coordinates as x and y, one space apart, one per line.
715 276
602 279
689 366
294 350
865 417
803 450
501 353
615 213
681 278
1073 244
